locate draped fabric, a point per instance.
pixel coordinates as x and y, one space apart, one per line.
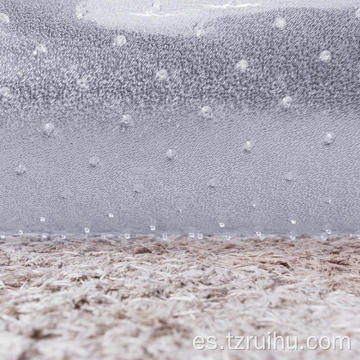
222 117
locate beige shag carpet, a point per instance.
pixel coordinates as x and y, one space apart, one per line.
147 299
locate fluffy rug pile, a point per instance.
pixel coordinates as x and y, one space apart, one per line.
149 299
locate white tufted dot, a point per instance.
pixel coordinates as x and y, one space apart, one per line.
138 188
86 230
94 161
289 176
156 6
40 49
325 56
206 112
152 227
81 10
120 40
242 66
42 219
126 122
286 102
280 23
21 170
254 205
329 138
162 75
48 129
213 183
221 225
248 146
171 154
5 93
199 30
4 19
325 235
110 215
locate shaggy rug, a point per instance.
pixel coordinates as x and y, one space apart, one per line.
178 299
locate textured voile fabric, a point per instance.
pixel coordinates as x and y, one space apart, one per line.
179 117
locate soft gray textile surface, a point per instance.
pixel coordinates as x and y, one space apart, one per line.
259 105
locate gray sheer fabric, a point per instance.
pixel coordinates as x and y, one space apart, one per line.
138 117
